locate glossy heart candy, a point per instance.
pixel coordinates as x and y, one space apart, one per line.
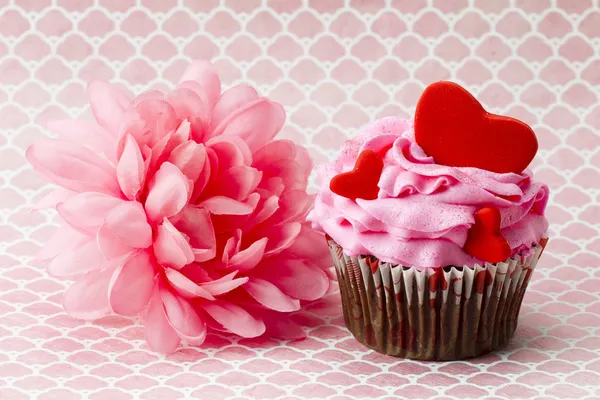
361 182
484 240
452 127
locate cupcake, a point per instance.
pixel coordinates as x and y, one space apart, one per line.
435 226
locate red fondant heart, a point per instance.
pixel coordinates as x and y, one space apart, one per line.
452 127
484 240
361 182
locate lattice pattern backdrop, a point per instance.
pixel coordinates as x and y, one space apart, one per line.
334 64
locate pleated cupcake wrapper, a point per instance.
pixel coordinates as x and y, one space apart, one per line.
432 314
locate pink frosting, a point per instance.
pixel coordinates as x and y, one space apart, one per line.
424 210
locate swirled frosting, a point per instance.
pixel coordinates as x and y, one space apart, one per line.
424 210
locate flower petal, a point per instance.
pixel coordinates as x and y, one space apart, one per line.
248 258
171 248
52 199
185 286
282 328
257 123
297 278
188 104
282 236
224 284
110 246
271 296
183 318
85 133
73 167
231 100
190 158
197 225
284 160
162 149
169 193
234 318
86 211
160 335
232 246
159 116
64 239
78 260
131 170
132 284
310 245
237 182
224 205
225 223
274 151
206 75
293 206
87 298
210 166
268 208
232 151
108 104
129 225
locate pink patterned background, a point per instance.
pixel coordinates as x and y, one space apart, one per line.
334 65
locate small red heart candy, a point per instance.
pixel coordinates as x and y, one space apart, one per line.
452 127
361 182
484 240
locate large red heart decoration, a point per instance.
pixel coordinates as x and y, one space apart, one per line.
452 127
484 239
361 182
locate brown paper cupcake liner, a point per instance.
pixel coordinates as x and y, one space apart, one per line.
433 314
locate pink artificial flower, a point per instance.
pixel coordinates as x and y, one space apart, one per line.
181 208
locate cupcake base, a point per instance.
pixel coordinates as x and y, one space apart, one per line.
433 314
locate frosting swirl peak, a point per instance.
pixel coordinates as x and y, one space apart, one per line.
424 210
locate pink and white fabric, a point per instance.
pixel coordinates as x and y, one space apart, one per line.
333 65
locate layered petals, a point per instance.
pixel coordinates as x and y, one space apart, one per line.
205 74
131 170
196 224
85 133
248 258
125 228
168 193
190 158
73 167
183 318
256 123
128 223
299 279
180 208
234 318
271 296
86 211
109 104
80 258
87 298
185 286
172 248
132 284
160 335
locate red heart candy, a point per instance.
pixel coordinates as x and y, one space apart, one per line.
484 239
361 182
452 127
